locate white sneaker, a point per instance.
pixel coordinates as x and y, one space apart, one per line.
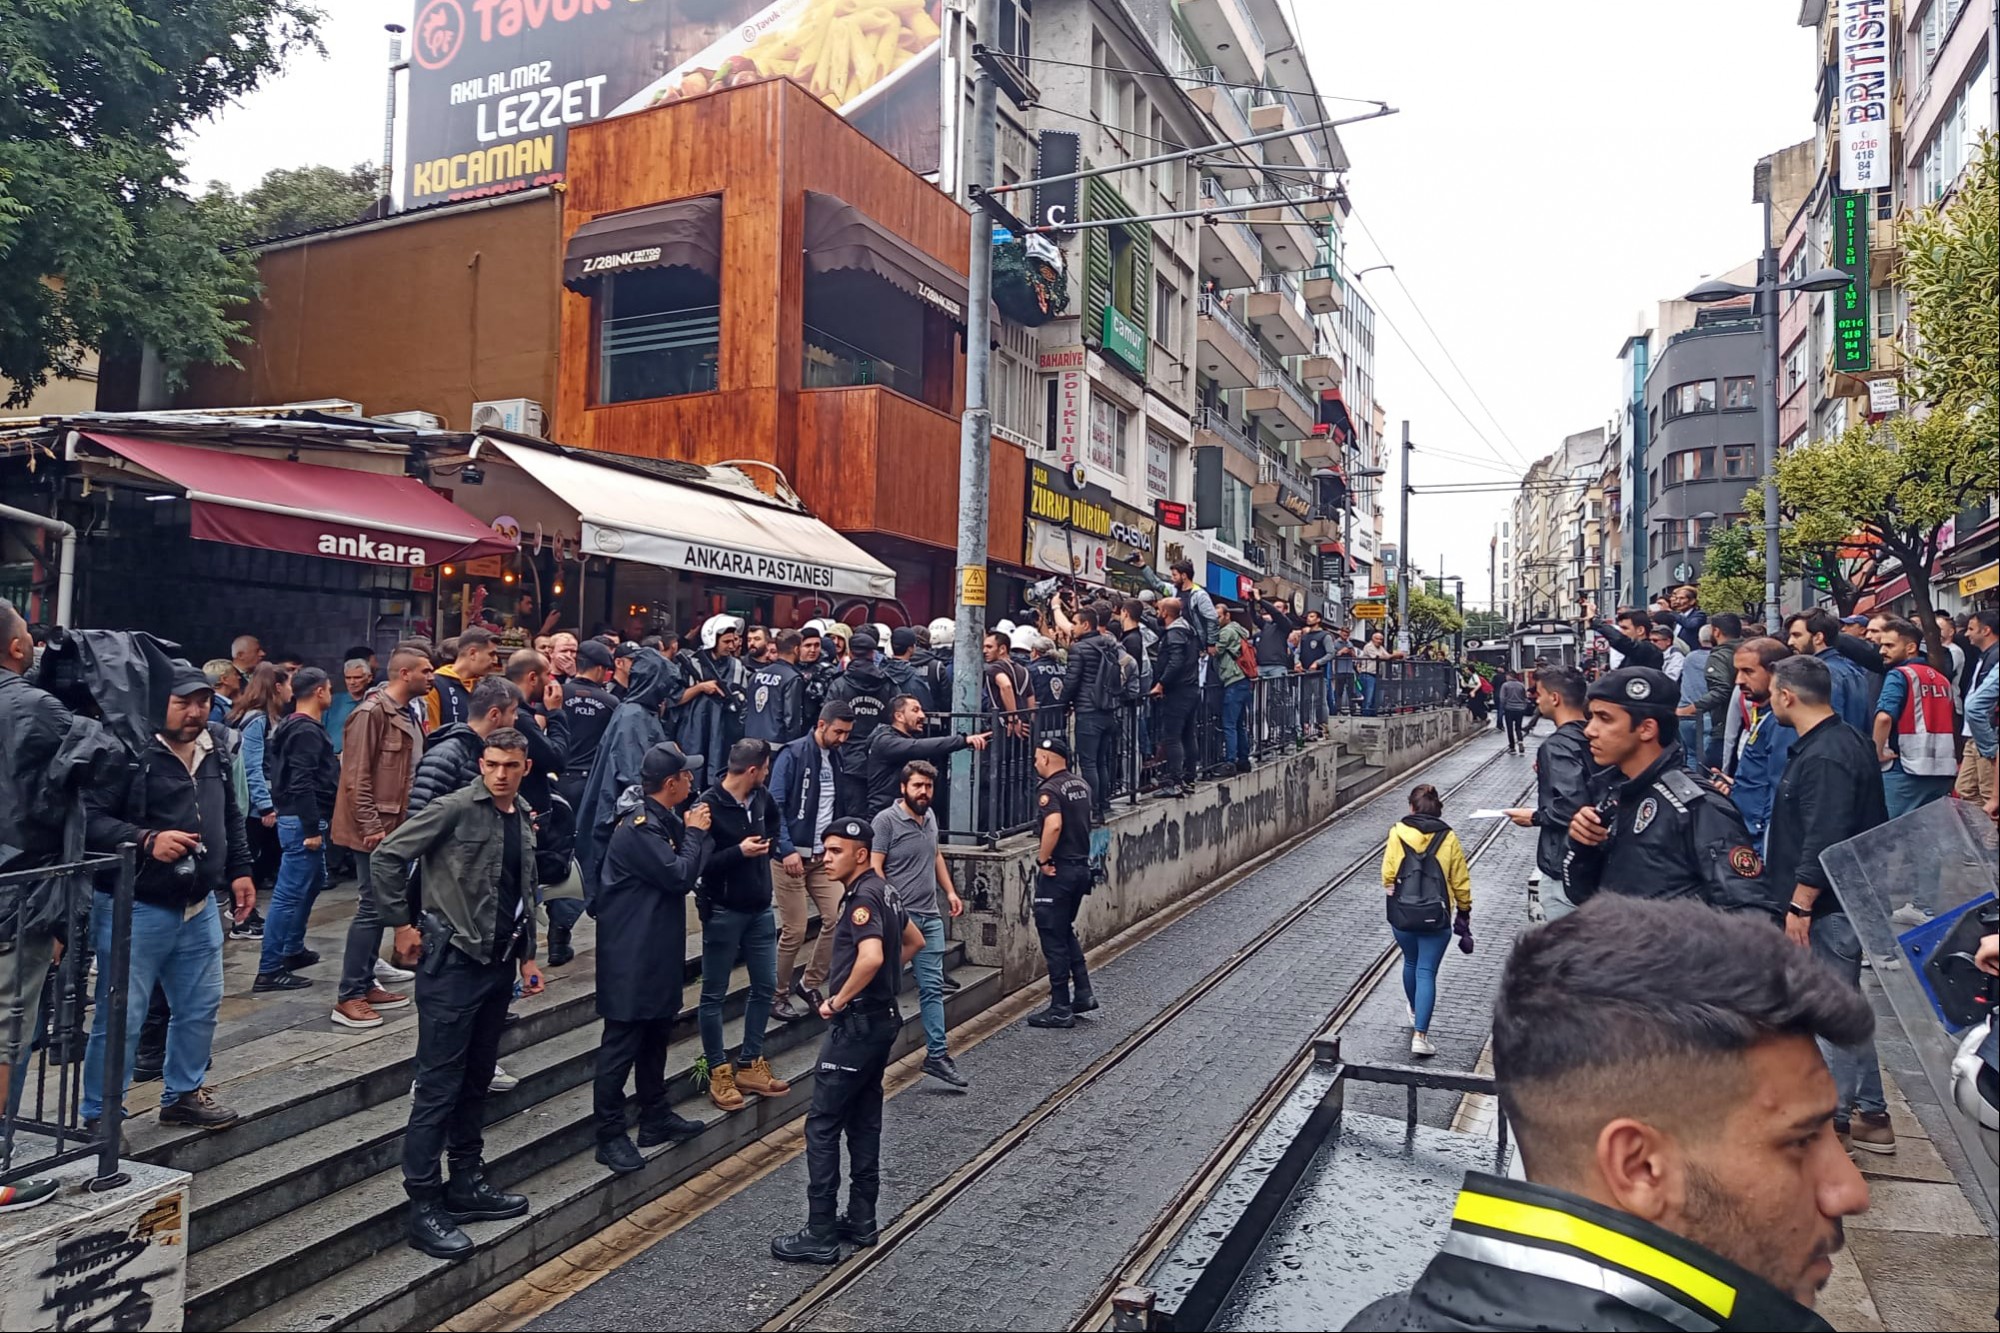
1909 914
1421 1045
502 1081
388 972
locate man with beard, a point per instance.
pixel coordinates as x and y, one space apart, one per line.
819 667
905 853
1563 774
777 713
1764 743
867 689
716 697
1675 1123
903 742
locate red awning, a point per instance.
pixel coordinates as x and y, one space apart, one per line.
307 509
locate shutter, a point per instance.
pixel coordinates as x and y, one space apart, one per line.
1100 201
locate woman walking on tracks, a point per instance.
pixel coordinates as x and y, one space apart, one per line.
1425 874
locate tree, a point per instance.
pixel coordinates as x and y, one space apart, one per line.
99 244
1814 547
1432 619
1732 570
1951 273
295 199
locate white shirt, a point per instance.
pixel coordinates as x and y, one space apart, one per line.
1676 660
824 816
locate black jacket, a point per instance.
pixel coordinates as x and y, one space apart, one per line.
868 689
889 750
1563 774
159 794
641 910
1671 837
731 879
33 797
555 818
635 727
1636 652
1831 791
777 704
1273 636
1180 658
303 771
588 707
795 779
1090 657
451 760
1511 1261
819 678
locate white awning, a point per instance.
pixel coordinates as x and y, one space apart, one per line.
630 516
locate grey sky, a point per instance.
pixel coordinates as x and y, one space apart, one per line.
1555 169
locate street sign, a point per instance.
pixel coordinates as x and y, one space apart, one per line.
1371 610
1853 351
1683 571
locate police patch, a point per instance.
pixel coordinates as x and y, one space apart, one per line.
1637 689
1647 809
1745 862
763 697
1046 798
861 916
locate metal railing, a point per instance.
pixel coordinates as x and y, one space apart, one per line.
1226 729
1274 469
1214 194
1273 374
1217 307
1215 422
48 910
834 363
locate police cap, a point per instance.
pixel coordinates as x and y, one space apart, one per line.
1638 690
1056 746
663 761
853 830
591 653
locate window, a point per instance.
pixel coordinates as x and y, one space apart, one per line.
1739 393
1011 31
1017 393
1234 529
1124 268
1688 399
1107 435
659 333
1795 370
1653 483
1690 465
1166 312
1739 460
1883 303
1673 537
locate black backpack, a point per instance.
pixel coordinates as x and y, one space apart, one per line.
1420 901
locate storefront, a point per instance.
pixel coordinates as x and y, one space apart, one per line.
1226 581
1075 528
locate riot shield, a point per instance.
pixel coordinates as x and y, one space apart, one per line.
1920 892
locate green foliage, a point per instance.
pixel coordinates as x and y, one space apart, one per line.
1432 619
1732 572
295 199
1951 272
99 244
1816 546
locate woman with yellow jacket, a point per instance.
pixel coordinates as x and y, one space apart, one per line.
1425 874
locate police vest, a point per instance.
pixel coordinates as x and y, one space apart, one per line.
1924 730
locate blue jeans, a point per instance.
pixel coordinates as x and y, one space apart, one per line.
726 937
1691 748
929 967
1422 952
301 875
1857 1074
1904 792
1236 721
185 957
1368 684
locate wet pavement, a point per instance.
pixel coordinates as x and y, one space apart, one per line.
1056 1217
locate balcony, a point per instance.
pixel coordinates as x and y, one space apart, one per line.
1277 311
1324 291
1231 255
1279 404
1885 250
1290 242
1283 494
1274 109
1321 372
1228 33
1226 350
1224 106
1213 423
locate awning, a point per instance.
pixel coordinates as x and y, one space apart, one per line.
839 235
687 232
307 509
656 522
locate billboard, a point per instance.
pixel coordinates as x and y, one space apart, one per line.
496 85
1852 349
1864 94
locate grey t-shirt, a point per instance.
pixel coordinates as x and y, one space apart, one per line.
909 857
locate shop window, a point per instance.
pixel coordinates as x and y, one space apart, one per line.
1739 460
659 334
1108 423
1739 393
862 330
1689 399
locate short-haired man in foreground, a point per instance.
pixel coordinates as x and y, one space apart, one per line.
1657 1063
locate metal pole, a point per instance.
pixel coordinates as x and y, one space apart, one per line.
1458 639
1403 556
65 560
385 175
1180 154
976 429
1767 296
1347 562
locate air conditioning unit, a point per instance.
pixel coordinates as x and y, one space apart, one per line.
522 416
417 420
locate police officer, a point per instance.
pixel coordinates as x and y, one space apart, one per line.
641 909
778 695
1062 879
870 941
1654 831
819 665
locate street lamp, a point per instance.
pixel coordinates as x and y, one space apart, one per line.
1358 274
1766 291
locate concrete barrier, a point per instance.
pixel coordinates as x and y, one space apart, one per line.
1163 851
112 1260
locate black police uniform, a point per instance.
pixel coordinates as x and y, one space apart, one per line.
1060 886
1671 835
847 1091
777 703
641 911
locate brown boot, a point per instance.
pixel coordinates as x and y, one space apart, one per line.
757 1077
722 1088
1871 1132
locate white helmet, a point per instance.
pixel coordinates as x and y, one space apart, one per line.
1003 627
881 635
816 625
943 631
715 627
1023 637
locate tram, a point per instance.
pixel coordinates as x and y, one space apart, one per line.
1553 642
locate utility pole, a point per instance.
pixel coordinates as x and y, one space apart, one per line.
1767 328
976 429
1403 555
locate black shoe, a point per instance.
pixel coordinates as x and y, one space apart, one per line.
669 1128
435 1232
859 1231
270 981
1053 1017
509 1020
1243 765
806 1246
810 998
472 1198
620 1155
292 962
941 1067
952 985
560 952
148 1073
1083 1004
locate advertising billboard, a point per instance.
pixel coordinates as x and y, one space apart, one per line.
496 85
1865 85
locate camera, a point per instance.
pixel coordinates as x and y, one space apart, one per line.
185 869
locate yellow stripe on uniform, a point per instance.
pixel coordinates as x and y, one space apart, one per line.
1526 1219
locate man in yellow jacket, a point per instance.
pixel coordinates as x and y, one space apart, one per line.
1425 874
